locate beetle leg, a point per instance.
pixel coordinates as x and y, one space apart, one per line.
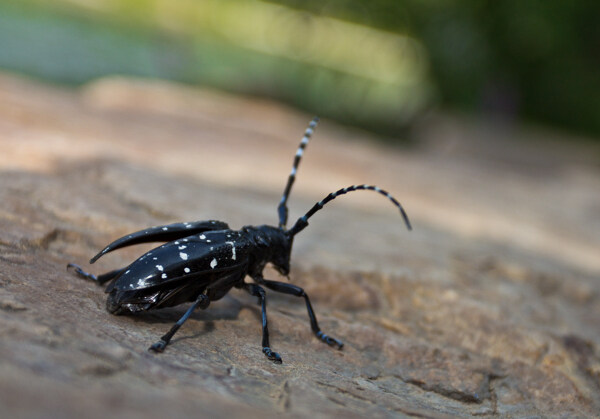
101 279
202 301
259 292
299 292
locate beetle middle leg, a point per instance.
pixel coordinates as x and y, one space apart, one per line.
202 301
100 279
259 292
299 292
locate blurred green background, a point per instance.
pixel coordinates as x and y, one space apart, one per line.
378 64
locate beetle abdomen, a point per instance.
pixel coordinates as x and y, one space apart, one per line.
125 301
120 302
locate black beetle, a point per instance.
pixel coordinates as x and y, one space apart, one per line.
203 260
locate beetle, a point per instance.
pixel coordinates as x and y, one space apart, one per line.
202 261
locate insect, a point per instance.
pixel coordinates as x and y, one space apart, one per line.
203 260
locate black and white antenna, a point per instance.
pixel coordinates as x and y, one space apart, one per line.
303 221
282 209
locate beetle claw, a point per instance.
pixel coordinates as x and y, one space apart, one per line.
158 346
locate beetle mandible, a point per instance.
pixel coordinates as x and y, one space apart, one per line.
203 260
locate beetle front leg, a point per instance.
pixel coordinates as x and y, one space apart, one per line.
202 301
299 292
100 279
259 292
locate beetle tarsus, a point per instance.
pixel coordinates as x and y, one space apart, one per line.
329 340
273 356
158 346
80 272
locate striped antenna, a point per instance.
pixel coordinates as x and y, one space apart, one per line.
303 221
282 209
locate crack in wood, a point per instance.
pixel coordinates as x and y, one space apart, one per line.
284 398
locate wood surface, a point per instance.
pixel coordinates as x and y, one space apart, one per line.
489 307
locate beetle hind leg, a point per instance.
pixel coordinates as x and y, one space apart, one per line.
202 302
100 279
259 292
299 292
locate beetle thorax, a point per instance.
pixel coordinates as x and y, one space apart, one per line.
271 245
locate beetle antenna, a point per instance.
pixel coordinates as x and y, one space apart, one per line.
303 221
282 209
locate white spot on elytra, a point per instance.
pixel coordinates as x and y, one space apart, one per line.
202 236
186 270
159 267
213 263
182 247
165 228
155 258
232 249
127 271
183 256
164 276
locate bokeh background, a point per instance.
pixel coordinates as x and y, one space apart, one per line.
379 64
